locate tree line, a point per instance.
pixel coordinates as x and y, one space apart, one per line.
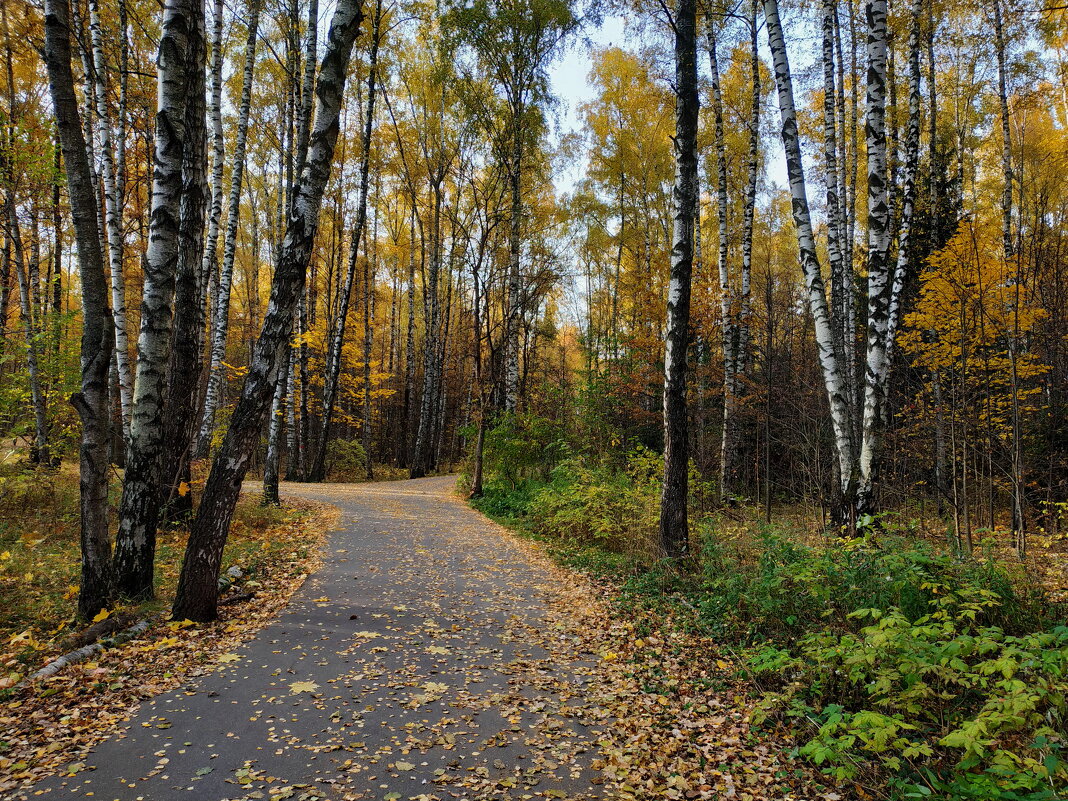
288 244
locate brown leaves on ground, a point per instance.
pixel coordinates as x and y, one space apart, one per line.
674 721
48 727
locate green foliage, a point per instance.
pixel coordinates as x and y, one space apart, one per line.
936 673
346 460
895 663
616 510
522 446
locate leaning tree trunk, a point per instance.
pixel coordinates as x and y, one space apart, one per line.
112 218
220 322
674 523
879 279
183 23
841 417
337 339
197 594
98 333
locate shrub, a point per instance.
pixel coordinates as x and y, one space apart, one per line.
346 460
600 506
927 686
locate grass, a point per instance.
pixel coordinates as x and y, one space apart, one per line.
39 551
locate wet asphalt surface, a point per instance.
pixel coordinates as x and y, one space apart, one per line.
419 662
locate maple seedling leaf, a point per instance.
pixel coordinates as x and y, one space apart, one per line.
303 687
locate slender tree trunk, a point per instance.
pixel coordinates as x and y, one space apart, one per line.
369 270
220 322
836 389
674 523
112 218
835 223
184 369
514 297
879 273
210 267
183 23
728 452
1018 522
409 351
197 594
98 332
908 194
39 452
274 429
337 338
421 455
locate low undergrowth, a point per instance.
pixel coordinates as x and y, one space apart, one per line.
901 670
39 560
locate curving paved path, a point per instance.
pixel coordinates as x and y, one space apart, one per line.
421 662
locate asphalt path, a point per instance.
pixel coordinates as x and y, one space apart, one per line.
422 661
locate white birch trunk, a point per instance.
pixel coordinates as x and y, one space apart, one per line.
835 386
220 323
112 218
879 283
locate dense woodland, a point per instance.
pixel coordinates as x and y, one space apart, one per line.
811 264
915 356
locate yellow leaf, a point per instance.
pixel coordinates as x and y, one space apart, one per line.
183 489
103 614
229 658
303 687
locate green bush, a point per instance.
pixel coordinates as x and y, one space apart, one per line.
925 669
599 506
521 446
346 460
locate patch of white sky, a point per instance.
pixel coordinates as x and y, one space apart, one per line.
570 82
571 86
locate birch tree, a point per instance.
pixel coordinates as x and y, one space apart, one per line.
197 593
834 381
220 319
112 215
674 523
182 26
98 333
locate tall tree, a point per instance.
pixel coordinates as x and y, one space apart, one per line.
181 41
98 334
674 523
220 317
197 593
337 336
